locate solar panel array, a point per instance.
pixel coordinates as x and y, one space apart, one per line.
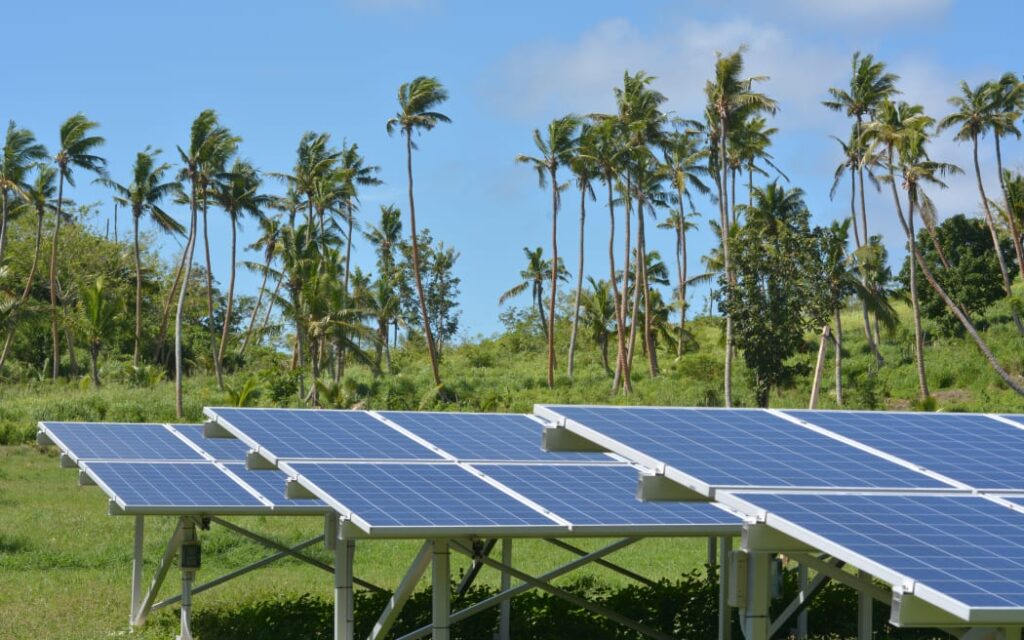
891 493
450 484
152 469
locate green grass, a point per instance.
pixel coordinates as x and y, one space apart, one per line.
66 565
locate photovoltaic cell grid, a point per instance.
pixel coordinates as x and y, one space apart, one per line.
320 434
600 495
270 484
119 441
199 485
966 547
483 436
970 448
221 449
418 495
742 448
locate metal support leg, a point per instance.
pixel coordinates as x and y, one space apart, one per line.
864 606
137 568
344 554
755 618
403 592
724 610
442 596
712 551
158 576
188 535
505 612
801 618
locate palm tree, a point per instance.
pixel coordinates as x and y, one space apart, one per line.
648 190
537 271
555 151
39 195
416 103
355 173
902 127
684 163
77 146
270 235
728 93
19 153
238 196
584 169
98 321
975 115
870 85
143 195
210 144
1008 101
599 315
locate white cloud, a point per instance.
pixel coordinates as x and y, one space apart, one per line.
882 12
548 78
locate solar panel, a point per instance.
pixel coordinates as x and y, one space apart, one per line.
483 436
970 448
736 448
968 548
118 441
171 487
1017 419
602 495
222 449
319 434
430 496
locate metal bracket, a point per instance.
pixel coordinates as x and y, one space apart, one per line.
295 491
561 439
655 487
213 429
760 537
254 461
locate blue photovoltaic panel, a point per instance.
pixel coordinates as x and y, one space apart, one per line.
1017 418
320 434
483 436
270 484
743 448
601 495
419 495
222 449
967 547
970 448
183 485
120 441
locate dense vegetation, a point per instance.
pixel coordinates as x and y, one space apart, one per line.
86 310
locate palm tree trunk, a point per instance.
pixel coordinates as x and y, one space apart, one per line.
879 361
652 354
1004 272
634 313
314 359
538 299
681 270
819 368
579 285
190 246
554 277
55 338
69 337
623 371
94 356
231 297
138 291
839 357
28 284
255 311
270 307
165 316
416 265
209 301
620 334
1011 219
860 174
723 201
3 224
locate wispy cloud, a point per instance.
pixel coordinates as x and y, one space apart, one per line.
881 12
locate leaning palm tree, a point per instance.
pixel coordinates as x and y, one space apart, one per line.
417 101
209 144
584 169
238 195
555 151
20 152
729 92
142 196
975 115
77 147
39 196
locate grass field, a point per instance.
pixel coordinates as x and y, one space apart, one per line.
65 566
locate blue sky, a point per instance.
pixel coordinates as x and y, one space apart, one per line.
274 70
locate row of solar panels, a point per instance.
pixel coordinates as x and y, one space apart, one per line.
371 469
931 503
